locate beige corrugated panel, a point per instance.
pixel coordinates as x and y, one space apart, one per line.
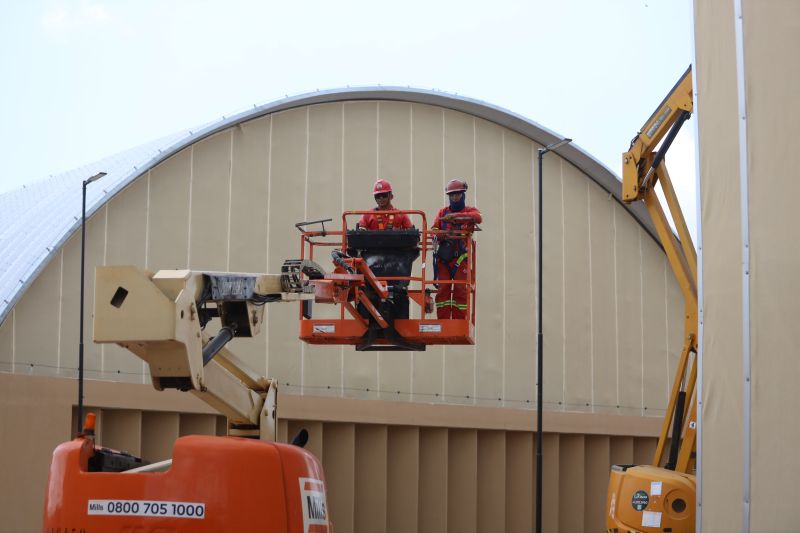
715 72
772 74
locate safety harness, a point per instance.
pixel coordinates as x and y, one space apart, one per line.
381 225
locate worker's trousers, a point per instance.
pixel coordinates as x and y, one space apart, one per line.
451 298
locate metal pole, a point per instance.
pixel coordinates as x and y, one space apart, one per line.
83 262
80 344
539 358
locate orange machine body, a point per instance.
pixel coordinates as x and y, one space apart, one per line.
214 484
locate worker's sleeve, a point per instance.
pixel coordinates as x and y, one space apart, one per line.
437 223
476 215
405 222
364 221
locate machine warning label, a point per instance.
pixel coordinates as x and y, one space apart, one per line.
430 328
147 508
324 328
640 500
315 508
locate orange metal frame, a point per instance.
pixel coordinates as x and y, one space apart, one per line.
346 289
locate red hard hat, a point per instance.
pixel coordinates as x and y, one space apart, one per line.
455 186
381 186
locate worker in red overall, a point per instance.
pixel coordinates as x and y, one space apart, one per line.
382 191
452 255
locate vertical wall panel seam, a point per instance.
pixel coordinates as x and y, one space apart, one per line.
269 215
411 202
444 179
699 237
563 288
341 170
230 202
60 308
505 273
475 300
745 236
377 176
616 300
305 217
641 319
591 294
189 228
142 363
94 288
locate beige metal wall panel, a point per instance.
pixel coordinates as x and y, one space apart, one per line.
249 203
36 343
394 164
772 39
571 482
168 212
371 456
578 363
643 450
197 424
518 270
427 194
287 192
629 321
488 190
7 341
655 357
433 462
597 465
675 324
210 203
462 481
553 327
551 478
718 140
316 434
491 481
69 323
402 478
159 431
603 301
622 451
126 244
360 166
122 430
459 162
322 365
520 474
338 460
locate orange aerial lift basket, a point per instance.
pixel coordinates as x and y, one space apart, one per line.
383 283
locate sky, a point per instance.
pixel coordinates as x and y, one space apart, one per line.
84 79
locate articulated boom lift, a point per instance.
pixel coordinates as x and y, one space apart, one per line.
661 496
212 484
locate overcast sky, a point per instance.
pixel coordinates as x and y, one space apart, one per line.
84 79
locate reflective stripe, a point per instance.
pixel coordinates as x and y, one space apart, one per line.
461 258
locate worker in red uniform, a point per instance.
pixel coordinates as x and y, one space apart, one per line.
452 255
382 191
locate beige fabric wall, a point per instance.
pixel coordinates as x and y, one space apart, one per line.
392 466
771 73
228 202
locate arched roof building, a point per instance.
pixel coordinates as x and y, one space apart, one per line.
225 197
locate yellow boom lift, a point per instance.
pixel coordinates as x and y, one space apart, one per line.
661 496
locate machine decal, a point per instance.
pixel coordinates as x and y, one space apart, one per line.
655 488
430 328
640 500
193 510
315 508
651 519
324 328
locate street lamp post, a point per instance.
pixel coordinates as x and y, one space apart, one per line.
540 342
83 262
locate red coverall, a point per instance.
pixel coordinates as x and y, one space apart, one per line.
385 221
451 298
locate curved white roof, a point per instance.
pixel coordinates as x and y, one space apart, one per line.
36 220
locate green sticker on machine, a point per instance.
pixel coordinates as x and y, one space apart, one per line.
640 500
